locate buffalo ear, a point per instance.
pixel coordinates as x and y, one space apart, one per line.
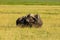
28 15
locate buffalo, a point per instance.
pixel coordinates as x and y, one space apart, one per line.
30 20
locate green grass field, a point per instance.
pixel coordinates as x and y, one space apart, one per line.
29 2
50 16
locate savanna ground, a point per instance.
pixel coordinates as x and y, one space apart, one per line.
50 16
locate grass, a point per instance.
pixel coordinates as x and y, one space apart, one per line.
30 2
50 16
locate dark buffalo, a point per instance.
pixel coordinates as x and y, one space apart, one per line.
24 21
